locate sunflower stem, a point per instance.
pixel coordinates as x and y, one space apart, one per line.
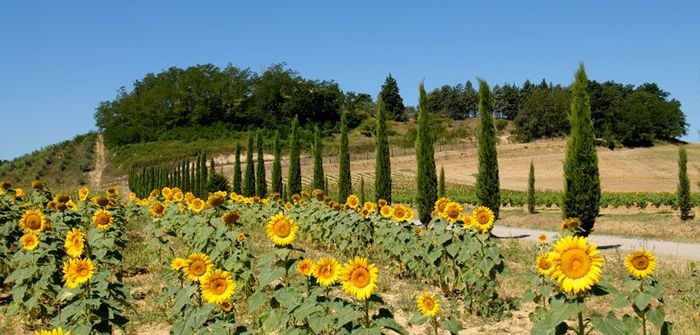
367 313
643 313
581 327
435 325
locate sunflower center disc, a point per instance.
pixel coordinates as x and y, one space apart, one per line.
197 268
282 228
360 277
640 263
33 222
219 286
575 263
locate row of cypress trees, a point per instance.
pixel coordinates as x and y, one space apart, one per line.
196 177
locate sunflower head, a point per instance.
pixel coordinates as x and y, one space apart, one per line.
62 198
75 242
216 200
83 193
288 205
440 204
32 221
352 202
381 203
282 229
167 193
29 241
19 192
113 191
399 212
296 198
468 221
543 263
231 217
178 263
157 209
54 331
240 237
482 219
640 264
577 264
154 194
385 211
305 267
428 304
102 219
542 238
197 266
408 215
226 306
327 271
38 184
217 286
318 194
178 196
451 212
77 271
101 201
359 278
570 224
197 205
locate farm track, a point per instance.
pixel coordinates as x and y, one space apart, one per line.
667 248
100 163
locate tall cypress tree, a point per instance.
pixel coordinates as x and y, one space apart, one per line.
260 182
205 177
199 176
531 199
362 190
683 185
382 166
318 160
426 179
237 170
277 166
487 183
582 193
441 183
344 181
193 176
212 169
249 177
294 176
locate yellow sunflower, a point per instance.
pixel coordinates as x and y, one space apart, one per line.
75 241
327 271
543 263
19 192
231 217
217 286
32 221
29 241
178 196
577 264
408 215
428 304
178 263
77 271
83 193
288 205
359 278
216 200
451 212
282 229
55 331
305 267
468 221
370 207
440 205
197 205
352 202
542 238
399 212
226 306
296 198
196 266
113 191
640 264
571 224
240 237
381 203
167 193
157 209
385 211
38 184
100 201
483 219
102 219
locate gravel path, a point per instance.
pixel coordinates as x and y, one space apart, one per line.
669 248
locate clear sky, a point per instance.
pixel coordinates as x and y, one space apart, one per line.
59 59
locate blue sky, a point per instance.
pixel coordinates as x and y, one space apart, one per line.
58 59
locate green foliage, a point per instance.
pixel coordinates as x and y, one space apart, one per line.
344 181
237 177
487 182
249 178
455 102
581 176
277 165
318 181
531 196
683 185
260 182
218 182
294 175
441 183
543 114
362 190
426 179
392 100
382 174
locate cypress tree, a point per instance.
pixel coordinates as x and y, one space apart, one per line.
205 177
294 176
285 197
260 182
362 190
237 170
212 169
198 176
531 199
441 183
277 166
382 166
392 99
249 178
344 181
192 170
487 183
582 193
318 160
325 186
426 179
683 185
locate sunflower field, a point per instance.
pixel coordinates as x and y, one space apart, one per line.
231 264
